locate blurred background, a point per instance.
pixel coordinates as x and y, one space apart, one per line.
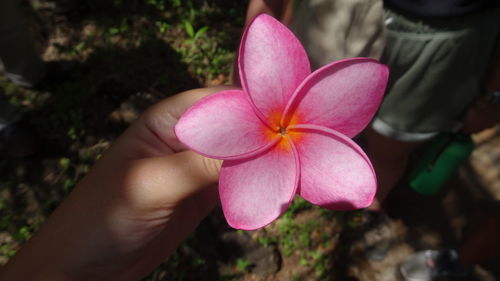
115 58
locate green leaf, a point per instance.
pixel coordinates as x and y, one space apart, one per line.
23 234
243 264
189 29
200 32
80 47
64 162
176 3
188 41
114 31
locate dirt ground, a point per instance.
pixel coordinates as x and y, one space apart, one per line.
443 221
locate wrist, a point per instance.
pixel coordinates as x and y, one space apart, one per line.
47 255
20 271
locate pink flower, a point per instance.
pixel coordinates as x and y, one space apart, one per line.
288 131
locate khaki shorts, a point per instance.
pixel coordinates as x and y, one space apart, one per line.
335 29
436 71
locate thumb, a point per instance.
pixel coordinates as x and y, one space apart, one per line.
170 180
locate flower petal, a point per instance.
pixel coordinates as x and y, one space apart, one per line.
343 95
335 173
272 63
224 126
256 191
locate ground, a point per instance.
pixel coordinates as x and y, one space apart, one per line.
150 49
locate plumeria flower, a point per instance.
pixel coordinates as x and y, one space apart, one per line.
288 130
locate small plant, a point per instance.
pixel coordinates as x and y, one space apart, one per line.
7 250
64 162
158 4
193 36
68 184
23 234
243 264
267 240
298 205
162 26
199 261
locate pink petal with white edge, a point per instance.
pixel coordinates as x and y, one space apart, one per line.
223 126
335 173
272 63
343 95
257 191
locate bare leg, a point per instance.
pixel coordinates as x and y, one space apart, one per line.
389 158
18 57
483 244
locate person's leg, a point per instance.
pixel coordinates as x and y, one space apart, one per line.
420 103
483 244
18 57
389 158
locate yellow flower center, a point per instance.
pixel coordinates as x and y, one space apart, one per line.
281 131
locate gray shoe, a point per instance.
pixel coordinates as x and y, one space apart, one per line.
430 265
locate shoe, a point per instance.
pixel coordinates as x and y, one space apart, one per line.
430 265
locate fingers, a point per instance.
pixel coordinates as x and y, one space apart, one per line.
178 104
152 135
166 181
143 155
162 117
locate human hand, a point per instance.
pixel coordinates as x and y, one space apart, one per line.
137 204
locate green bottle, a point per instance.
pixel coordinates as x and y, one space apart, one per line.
439 162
